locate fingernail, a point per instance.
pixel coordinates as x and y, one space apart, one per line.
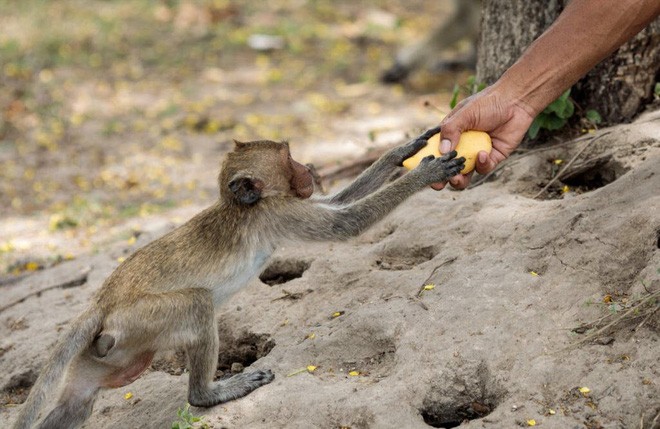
482 157
445 146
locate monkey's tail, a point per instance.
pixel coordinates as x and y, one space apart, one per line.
80 335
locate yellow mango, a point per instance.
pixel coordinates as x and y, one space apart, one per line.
469 145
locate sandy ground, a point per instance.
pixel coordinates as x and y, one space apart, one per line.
491 344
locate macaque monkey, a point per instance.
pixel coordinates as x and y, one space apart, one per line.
164 295
463 23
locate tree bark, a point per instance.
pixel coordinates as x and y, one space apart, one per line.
619 88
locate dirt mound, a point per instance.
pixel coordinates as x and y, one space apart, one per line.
535 309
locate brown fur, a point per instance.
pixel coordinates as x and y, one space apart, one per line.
164 295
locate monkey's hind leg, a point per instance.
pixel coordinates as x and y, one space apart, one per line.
202 364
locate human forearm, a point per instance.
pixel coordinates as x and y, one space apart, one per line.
585 33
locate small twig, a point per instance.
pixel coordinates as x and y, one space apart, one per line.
646 319
655 420
614 321
568 164
418 295
644 286
79 280
442 264
427 103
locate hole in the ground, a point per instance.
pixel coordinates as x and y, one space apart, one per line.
283 270
17 388
595 176
585 176
244 349
472 395
404 258
236 352
455 415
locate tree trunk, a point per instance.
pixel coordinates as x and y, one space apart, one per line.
618 88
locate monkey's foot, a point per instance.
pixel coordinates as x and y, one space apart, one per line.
232 388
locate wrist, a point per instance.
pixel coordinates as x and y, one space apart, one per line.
415 177
522 92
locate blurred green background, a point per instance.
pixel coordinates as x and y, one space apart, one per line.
112 110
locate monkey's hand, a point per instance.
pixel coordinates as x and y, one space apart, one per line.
399 154
434 170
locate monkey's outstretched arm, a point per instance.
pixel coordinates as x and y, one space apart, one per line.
317 221
380 171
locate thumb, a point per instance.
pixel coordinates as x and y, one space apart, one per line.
452 127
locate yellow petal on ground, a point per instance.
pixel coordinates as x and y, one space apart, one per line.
311 336
337 313
534 273
565 189
584 390
558 161
429 287
354 373
121 259
6 247
311 368
132 240
128 395
531 422
552 412
32 266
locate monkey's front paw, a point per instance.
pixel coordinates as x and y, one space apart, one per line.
404 152
441 169
449 168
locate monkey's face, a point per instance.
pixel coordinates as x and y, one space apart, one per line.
256 170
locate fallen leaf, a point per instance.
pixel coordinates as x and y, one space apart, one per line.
32 266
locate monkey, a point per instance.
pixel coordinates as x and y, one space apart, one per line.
165 294
462 23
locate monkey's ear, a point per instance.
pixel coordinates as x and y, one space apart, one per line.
238 145
246 189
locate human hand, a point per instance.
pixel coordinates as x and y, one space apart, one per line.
492 110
